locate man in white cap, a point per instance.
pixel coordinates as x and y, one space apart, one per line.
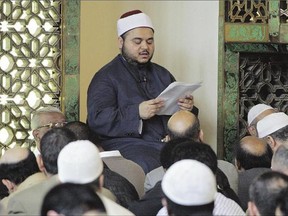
29 201
189 188
274 128
255 114
121 100
86 168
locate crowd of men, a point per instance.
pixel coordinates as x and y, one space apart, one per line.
128 160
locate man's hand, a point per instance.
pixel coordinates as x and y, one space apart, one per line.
186 103
148 109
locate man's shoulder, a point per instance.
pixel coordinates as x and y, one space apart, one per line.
226 206
253 172
114 63
29 200
112 208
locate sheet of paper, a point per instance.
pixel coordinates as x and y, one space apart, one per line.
173 92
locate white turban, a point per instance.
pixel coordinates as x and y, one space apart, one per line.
131 20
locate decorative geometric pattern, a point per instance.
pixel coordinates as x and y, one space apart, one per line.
284 10
30 65
263 78
247 11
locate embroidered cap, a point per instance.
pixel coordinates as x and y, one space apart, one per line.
133 19
271 124
256 111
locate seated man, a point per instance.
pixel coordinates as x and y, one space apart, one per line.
252 158
280 160
184 193
274 129
122 98
121 173
176 150
72 199
184 124
29 201
265 191
19 170
255 114
86 168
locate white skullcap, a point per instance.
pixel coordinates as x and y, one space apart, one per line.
79 162
271 123
189 183
256 111
131 20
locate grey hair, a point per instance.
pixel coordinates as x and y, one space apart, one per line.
36 115
280 159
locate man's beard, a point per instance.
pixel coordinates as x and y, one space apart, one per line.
133 61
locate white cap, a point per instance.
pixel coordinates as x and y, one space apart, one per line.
79 162
137 19
256 111
271 123
189 183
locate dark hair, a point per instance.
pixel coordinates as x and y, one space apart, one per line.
282 202
281 134
165 154
80 129
83 132
18 172
51 144
266 189
124 190
249 161
179 210
3 190
197 151
72 199
191 132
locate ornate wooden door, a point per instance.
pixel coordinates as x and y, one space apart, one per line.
253 64
39 64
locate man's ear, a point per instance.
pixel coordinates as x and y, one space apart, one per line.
120 42
52 213
238 165
9 185
101 181
40 163
252 130
252 209
36 135
271 142
164 202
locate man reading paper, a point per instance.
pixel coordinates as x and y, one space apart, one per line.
122 103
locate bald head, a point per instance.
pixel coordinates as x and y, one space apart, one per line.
14 155
183 124
253 145
252 152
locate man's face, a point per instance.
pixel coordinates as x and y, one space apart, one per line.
45 120
137 47
253 126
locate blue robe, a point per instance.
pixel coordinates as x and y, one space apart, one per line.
114 95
